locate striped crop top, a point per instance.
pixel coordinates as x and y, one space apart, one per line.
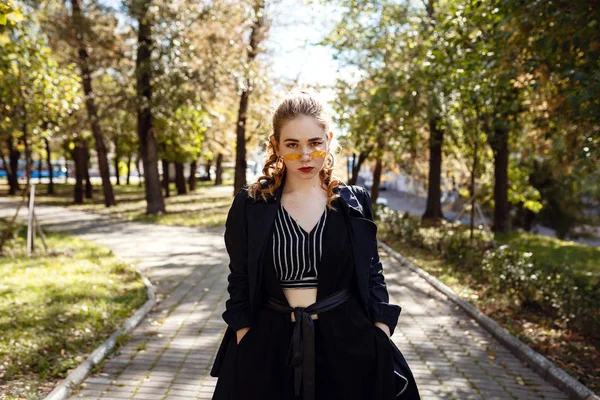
297 253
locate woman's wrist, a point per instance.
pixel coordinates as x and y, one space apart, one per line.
383 327
240 334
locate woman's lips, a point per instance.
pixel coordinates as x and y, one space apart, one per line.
306 169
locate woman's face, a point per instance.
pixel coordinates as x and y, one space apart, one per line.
303 135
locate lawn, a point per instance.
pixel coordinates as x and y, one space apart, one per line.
55 309
207 206
581 258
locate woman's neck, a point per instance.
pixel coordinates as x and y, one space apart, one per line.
302 185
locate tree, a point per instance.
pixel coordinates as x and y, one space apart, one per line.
79 27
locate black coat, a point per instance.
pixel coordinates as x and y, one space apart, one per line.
248 224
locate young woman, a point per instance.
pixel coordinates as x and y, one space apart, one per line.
308 314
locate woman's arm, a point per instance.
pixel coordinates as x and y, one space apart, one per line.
237 306
382 312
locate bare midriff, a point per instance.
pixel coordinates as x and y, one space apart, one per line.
301 297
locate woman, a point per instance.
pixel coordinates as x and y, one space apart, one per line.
308 315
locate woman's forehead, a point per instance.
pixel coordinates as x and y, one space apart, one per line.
302 129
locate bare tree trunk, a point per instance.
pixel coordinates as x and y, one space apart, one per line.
12 168
180 179
499 144
50 169
207 167
80 167
5 164
256 35
129 157
89 192
86 79
148 145
362 156
116 159
40 168
192 178
139 171
219 170
433 210
166 178
376 179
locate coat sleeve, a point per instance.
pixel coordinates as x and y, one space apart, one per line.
237 307
381 309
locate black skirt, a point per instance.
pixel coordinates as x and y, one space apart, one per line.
353 356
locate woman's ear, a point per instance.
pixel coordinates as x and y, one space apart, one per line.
274 144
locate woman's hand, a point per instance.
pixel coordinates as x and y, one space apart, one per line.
383 327
241 333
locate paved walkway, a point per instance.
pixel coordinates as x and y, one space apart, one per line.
170 353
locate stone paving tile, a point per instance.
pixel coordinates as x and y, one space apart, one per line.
171 351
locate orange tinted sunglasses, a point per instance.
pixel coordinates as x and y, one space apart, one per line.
297 156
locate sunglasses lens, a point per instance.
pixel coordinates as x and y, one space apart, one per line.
297 156
318 154
292 156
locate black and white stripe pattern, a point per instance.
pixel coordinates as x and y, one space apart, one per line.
296 253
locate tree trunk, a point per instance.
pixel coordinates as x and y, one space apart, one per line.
40 168
433 210
80 167
219 170
5 164
12 168
192 178
78 21
207 167
240 153
116 159
499 144
148 145
89 192
129 157
376 179
50 169
139 171
180 179
166 178
362 156
240 150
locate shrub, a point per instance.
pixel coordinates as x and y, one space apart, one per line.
570 299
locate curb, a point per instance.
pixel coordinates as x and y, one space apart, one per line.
64 389
540 364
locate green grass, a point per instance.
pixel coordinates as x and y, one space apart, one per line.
56 309
199 208
551 251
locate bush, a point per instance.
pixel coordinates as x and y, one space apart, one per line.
556 291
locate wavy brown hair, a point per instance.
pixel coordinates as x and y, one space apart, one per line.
293 106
